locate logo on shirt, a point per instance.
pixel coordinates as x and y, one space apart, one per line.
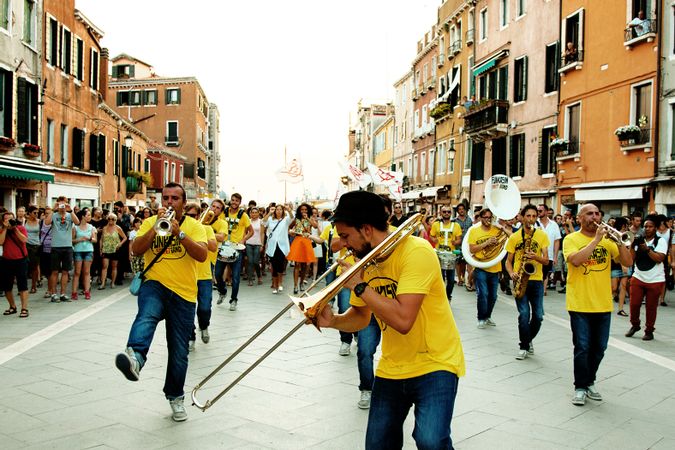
173 251
598 261
386 287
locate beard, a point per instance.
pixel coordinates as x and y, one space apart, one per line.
363 251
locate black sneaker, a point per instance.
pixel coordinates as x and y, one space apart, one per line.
563 290
64 298
632 331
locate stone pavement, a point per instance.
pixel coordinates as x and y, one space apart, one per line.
60 388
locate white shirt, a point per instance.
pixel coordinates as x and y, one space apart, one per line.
277 235
553 232
656 274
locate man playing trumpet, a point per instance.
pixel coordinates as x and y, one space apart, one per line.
528 248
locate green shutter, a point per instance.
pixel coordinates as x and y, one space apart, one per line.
101 153
93 151
132 71
178 95
521 156
524 78
543 148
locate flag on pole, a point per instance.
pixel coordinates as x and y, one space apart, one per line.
384 177
356 174
396 191
292 172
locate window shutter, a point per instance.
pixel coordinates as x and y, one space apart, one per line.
33 113
513 161
525 78
77 147
93 151
48 41
521 156
115 72
101 153
21 111
178 96
132 71
541 154
7 95
125 161
167 97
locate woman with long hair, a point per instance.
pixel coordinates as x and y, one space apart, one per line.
32 226
254 244
112 238
276 223
84 236
301 252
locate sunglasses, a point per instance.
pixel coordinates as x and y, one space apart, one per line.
191 215
486 217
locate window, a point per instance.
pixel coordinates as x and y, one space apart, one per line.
546 156
172 133
520 80
135 98
425 117
64 145
78 148
472 80
503 13
138 161
641 106
5 14
416 124
423 165
415 173
52 42
50 140
146 165
79 59
123 98
116 157
182 171
503 82
517 160
469 154
440 150
499 156
521 7
26 112
425 73
166 172
150 97
671 144
123 71
573 38
6 91
478 161
552 76
29 20
201 168
573 127
483 24
173 172
173 96
93 69
66 51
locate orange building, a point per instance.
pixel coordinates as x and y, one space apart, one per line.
607 105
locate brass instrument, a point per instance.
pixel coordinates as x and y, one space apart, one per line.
625 238
163 224
207 217
525 270
312 305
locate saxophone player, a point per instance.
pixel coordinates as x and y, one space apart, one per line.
528 247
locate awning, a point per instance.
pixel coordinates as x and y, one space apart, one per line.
624 193
415 193
489 64
430 191
25 174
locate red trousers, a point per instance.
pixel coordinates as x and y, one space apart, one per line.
650 293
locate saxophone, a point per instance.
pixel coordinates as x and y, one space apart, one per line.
525 270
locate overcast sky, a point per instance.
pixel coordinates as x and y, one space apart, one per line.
283 73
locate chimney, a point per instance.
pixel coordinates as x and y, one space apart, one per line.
103 73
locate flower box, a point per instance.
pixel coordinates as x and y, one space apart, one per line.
628 133
31 150
7 143
559 146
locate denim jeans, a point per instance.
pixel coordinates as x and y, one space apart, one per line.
156 303
530 313
590 333
253 256
369 339
204 299
449 277
236 272
486 292
433 395
343 305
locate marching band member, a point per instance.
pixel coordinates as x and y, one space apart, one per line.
169 292
204 283
589 297
446 235
422 355
528 245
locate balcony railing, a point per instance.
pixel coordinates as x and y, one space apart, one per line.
470 36
487 117
441 59
456 46
171 141
572 148
451 54
645 30
641 138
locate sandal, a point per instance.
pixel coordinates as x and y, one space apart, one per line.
9 311
250 283
621 312
33 290
24 313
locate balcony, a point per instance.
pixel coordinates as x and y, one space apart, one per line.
570 149
441 59
456 46
450 53
171 141
415 93
487 120
431 83
640 140
470 36
645 31
573 60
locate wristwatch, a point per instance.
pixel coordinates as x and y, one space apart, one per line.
360 288
181 235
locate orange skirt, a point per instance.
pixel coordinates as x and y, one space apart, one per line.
301 250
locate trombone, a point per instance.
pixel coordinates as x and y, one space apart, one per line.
312 306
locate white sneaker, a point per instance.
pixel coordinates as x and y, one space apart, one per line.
179 413
345 349
522 354
530 351
128 364
481 324
490 322
364 402
281 289
205 336
191 345
274 291
593 394
233 306
579 398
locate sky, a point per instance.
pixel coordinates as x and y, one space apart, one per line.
284 74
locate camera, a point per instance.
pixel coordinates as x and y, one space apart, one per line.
62 206
638 240
12 222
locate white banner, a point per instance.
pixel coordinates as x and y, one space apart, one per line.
384 177
292 172
356 174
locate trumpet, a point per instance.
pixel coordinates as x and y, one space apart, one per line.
206 217
623 238
163 224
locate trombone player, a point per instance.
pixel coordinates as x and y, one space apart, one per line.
528 245
422 355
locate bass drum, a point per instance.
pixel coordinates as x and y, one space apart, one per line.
227 253
468 257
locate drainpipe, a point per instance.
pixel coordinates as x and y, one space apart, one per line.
657 121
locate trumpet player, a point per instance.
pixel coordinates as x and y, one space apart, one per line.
588 253
169 292
528 245
422 355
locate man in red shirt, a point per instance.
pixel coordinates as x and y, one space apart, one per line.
14 262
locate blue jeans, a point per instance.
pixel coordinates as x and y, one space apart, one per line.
253 256
590 333
486 292
369 339
449 277
433 395
236 272
530 313
156 303
204 299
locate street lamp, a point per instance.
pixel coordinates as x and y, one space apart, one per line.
128 141
451 152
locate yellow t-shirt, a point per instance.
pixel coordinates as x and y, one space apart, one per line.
433 342
477 236
204 268
175 269
589 285
445 234
516 246
219 226
237 226
324 235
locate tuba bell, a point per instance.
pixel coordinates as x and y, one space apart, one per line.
502 196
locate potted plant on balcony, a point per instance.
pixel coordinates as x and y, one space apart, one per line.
31 150
7 143
135 181
560 146
440 110
627 133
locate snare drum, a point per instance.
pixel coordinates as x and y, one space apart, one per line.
229 251
447 259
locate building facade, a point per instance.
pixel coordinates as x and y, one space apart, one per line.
664 198
213 158
403 113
